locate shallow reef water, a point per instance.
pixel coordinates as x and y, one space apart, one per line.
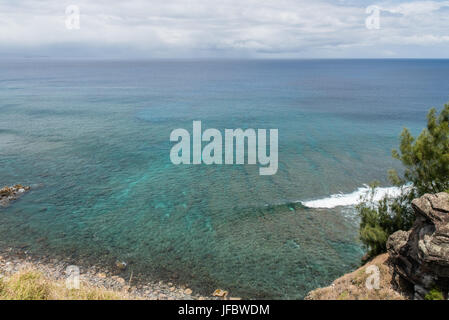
92 139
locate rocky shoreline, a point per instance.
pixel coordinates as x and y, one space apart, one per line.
13 261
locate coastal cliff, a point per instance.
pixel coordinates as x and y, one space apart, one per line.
416 265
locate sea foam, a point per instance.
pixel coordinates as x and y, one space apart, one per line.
351 199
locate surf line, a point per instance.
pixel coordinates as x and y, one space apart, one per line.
212 153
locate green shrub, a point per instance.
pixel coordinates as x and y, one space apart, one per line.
434 294
426 159
378 220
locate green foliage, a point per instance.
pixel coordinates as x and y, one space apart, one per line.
426 159
434 294
426 163
380 219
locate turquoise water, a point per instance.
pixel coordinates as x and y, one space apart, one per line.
92 138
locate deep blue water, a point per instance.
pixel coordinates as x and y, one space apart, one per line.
92 138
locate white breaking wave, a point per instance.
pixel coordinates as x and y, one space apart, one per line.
351 199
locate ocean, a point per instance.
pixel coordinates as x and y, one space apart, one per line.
92 139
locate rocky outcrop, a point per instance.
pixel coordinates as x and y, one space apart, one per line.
420 257
417 262
361 284
8 194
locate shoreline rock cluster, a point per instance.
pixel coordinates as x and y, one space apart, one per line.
12 193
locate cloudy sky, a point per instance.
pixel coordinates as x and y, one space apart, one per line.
224 29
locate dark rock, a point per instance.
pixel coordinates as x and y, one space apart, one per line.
8 194
121 265
421 255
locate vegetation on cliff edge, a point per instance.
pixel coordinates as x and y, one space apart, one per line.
426 170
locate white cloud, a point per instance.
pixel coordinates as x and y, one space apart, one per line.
416 8
176 28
